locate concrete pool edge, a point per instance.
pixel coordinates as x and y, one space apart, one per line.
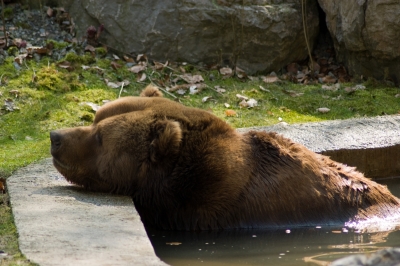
59 224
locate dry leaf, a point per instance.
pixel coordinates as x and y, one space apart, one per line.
241 97
397 95
240 73
90 48
193 89
66 65
334 87
323 110
141 57
226 71
181 91
205 99
116 57
252 103
270 79
115 65
138 68
243 104
227 105
128 59
141 77
49 12
230 112
192 79
159 66
219 89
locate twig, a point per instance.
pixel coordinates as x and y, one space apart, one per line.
304 17
167 92
120 91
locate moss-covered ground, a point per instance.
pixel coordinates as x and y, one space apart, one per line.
43 95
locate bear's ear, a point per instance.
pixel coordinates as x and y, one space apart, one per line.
151 91
166 140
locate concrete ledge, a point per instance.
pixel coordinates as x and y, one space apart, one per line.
59 224
370 144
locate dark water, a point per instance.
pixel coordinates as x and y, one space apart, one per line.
299 246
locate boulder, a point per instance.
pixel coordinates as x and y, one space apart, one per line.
366 36
260 35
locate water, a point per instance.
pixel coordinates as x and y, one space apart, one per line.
299 246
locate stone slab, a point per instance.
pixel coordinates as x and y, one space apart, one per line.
370 144
60 224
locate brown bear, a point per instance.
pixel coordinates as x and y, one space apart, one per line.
186 169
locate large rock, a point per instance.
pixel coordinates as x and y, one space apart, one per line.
265 35
366 36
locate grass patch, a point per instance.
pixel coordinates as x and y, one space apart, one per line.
41 96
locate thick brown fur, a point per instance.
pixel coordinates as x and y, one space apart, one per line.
186 169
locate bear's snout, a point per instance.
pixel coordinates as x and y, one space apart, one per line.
55 138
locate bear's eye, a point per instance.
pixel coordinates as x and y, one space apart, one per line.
98 138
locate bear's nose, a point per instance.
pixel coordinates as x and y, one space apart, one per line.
55 139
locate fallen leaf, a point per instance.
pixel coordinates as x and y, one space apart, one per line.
328 79
252 103
90 48
129 59
230 112
193 90
242 97
270 79
141 77
334 87
227 105
192 79
159 66
138 68
397 95
226 71
243 103
181 91
141 57
240 73
116 57
66 65
323 110
115 65
205 99
49 12
219 89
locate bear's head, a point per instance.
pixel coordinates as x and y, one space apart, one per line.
119 148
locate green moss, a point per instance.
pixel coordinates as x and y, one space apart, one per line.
57 45
13 50
85 59
101 51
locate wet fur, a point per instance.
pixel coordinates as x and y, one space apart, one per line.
186 169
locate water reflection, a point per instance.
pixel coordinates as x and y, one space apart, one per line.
290 246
